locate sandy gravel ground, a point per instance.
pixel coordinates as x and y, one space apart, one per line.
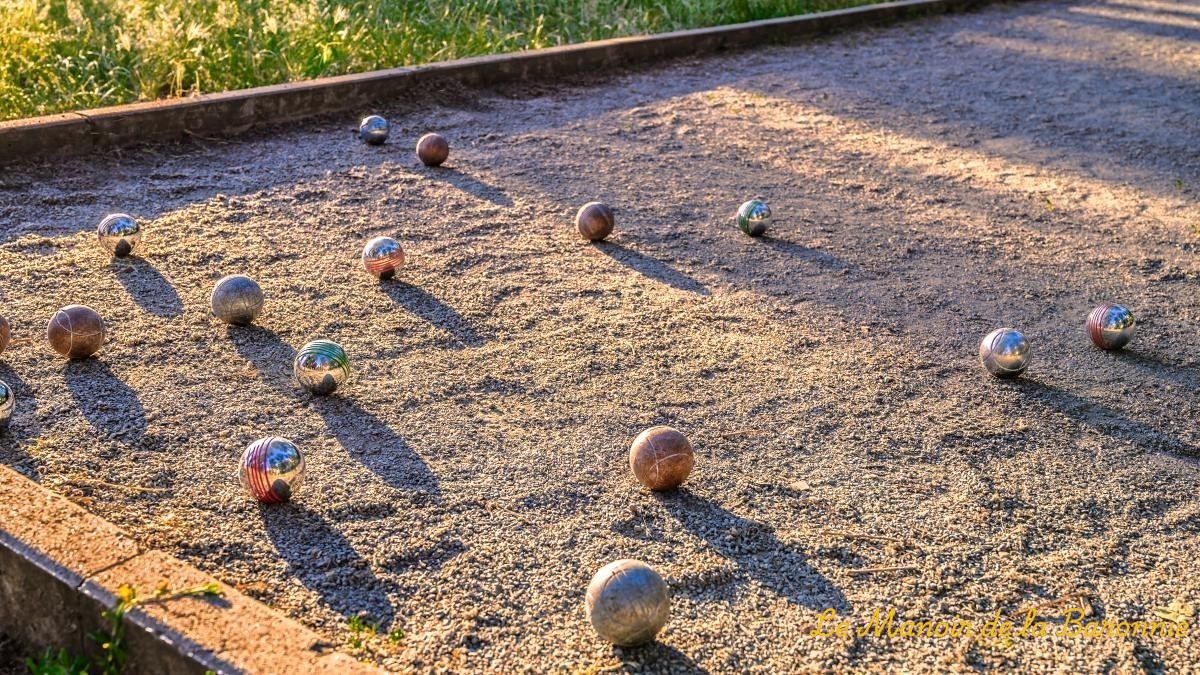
931 182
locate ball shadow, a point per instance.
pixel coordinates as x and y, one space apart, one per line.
812 255
110 406
365 437
756 550
147 286
468 184
650 267
655 657
325 562
433 311
1160 368
1104 419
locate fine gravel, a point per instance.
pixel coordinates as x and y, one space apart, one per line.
930 182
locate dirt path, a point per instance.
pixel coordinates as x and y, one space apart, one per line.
931 182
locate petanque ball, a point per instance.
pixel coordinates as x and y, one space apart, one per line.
1005 352
5 334
373 130
754 217
382 257
433 149
1111 326
594 221
271 469
237 299
7 401
76 331
321 366
119 234
628 603
661 458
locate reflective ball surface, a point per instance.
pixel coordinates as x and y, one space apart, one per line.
594 221
433 149
271 470
237 299
661 458
382 256
321 366
5 334
1005 352
1111 326
754 217
628 603
8 401
76 331
119 234
373 130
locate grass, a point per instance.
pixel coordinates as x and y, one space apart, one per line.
64 55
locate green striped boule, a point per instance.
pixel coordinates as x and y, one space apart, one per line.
321 366
754 217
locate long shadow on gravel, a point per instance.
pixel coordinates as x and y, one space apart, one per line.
469 184
651 267
148 287
363 435
655 657
757 551
812 255
111 406
1104 419
325 562
437 313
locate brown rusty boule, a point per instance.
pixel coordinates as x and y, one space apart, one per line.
433 149
594 221
661 458
76 331
5 334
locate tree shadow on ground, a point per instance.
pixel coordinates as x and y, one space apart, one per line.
365 437
433 311
756 550
1104 419
469 184
651 267
325 562
110 406
655 657
148 287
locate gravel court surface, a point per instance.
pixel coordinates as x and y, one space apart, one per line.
931 181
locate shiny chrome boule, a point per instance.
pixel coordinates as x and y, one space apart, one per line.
373 130
237 299
321 366
382 256
271 470
1111 326
754 217
119 234
1005 352
628 603
8 401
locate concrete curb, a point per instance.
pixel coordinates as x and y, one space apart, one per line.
237 111
60 568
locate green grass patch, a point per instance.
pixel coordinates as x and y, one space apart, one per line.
74 54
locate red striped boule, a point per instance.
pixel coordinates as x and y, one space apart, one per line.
661 458
594 221
433 149
5 334
76 331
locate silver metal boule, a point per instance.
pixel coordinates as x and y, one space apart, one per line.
382 256
754 217
1111 326
628 603
373 130
1005 352
271 469
237 299
8 401
321 366
119 234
